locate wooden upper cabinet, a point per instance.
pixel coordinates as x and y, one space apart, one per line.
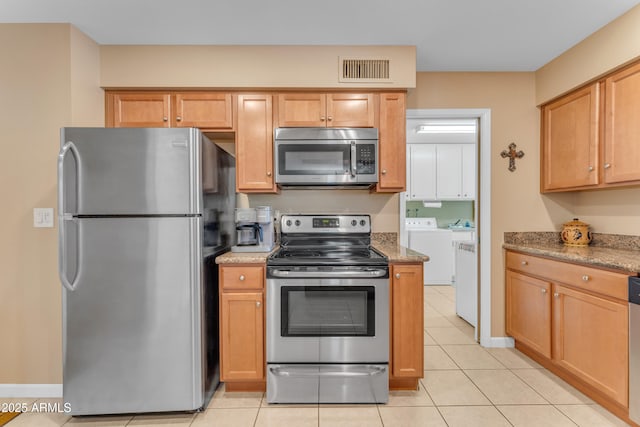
326 110
570 140
622 126
254 144
407 317
392 143
203 110
302 109
125 110
351 110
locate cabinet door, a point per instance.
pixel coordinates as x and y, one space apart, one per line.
469 173
529 311
241 336
570 140
254 144
392 143
302 109
351 110
591 340
422 172
139 110
203 110
622 126
407 321
449 171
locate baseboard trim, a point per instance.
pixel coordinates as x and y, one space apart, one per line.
30 390
497 342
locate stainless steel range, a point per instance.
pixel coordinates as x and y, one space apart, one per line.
327 313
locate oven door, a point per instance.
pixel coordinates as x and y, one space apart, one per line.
316 320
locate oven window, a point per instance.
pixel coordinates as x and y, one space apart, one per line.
323 311
300 159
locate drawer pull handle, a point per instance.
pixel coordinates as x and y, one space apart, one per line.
524 263
556 294
544 291
397 275
585 278
607 165
241 277
258 304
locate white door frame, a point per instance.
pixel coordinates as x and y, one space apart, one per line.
484 229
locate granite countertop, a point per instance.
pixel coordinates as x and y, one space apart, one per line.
617 252
244 257
387 243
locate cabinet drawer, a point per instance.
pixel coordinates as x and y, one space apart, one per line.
242 277
588 278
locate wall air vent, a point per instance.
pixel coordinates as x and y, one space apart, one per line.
361 70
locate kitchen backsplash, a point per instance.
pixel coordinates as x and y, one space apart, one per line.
449 213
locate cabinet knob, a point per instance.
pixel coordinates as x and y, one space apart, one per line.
178 119
585 278
524 263
607 165
330 118
397 275
165 119
322 118
384 172
555 294
590 168
544 291
268 173
258 304
241 278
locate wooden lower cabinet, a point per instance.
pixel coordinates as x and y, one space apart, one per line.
242 334
591 340
529 311
574 320
406 358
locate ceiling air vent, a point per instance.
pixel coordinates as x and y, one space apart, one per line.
358 70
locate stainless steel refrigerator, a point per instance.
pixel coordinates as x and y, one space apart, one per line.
142 215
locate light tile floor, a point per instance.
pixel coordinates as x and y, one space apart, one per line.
464 385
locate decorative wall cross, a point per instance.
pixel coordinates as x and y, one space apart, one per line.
512 154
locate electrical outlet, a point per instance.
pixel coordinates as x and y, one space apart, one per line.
43 217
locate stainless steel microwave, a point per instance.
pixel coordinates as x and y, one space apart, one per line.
331 157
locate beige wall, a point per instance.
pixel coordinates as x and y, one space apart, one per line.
38 62
246 66
611 46
516 202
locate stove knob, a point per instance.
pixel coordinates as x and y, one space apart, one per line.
288 223
297 223
354 222
362 222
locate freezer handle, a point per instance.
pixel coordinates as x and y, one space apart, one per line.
64 217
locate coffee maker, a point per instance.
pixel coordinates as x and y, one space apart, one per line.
254 229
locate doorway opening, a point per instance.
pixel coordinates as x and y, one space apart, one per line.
451 132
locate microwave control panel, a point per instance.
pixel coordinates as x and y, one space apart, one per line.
366 159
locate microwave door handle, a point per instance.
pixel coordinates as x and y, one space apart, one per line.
353 159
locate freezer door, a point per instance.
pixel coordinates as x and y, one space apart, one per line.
130 171
132 323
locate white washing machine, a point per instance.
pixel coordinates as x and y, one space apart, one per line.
424 236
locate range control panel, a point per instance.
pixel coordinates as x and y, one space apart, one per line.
325 224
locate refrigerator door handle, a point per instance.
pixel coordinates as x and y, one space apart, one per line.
64 217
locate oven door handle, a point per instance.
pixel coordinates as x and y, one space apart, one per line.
378 272
315 371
